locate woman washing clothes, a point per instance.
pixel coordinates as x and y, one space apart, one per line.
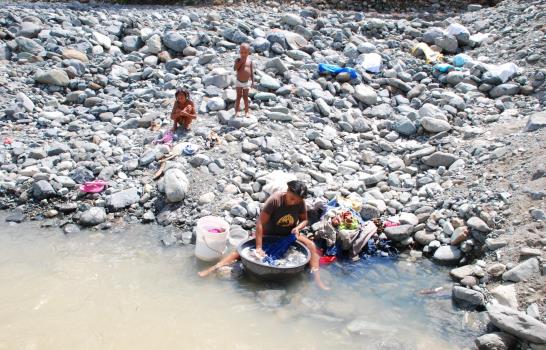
284 213
183 110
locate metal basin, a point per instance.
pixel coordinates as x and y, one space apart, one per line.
268 272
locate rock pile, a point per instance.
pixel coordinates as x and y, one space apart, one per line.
81 86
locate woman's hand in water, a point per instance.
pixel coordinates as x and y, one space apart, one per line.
260 253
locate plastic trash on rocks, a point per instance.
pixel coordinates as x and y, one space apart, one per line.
461 59
457 29
443 67
478 38
504 71
333 69
371 62
96 186
276 181
430 55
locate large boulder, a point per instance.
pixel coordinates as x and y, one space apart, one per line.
269 83
132 43
435 125
236 36
93 216
398 233
176 185
42 190
522 271
29 29
365 94
438 159
29 45
154 44
432 34
496 341
75 54
478 224
122 199
447 255
505 294
174 41
293 20
517 323
404 126
536 121
260 45
448 43
508 89
277 36
52 77
431 111
216 104
102 40
467 295
219 77
5 52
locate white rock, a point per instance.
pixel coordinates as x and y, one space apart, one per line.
176 185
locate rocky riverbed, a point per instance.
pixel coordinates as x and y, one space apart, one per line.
457 156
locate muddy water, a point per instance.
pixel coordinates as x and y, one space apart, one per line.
121 289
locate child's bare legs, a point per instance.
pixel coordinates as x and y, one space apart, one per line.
226 260
245 96
187 122
238 100
315 260
175 126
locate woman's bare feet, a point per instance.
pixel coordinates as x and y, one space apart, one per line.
318 281
208 271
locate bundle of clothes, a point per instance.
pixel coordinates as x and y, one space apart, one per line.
341 232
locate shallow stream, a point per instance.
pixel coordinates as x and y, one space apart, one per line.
121 289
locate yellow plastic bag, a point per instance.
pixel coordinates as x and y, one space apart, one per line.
351 201
423 49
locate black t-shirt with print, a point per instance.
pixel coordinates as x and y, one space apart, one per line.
283 218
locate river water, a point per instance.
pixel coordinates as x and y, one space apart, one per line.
121 289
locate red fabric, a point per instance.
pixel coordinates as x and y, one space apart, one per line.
391 224
325 260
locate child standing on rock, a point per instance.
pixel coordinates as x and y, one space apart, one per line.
183 109
245 77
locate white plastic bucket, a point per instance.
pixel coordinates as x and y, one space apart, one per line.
237 236
210 244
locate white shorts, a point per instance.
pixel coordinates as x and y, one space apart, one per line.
244 85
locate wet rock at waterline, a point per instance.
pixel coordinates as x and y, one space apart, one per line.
517 323
496 341
92 217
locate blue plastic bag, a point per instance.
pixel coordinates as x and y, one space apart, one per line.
460 59
443 67
333 69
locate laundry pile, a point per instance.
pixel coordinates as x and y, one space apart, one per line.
342 232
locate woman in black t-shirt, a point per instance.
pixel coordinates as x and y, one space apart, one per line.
283 213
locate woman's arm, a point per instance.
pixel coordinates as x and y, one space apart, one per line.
302 223
262 221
